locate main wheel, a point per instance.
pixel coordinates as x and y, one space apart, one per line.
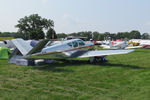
94 59
97 59
103 59
91 60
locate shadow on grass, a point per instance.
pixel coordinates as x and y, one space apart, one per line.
56 66
107 64
123 66
143 51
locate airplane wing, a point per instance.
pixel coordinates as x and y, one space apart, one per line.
103 53
78 54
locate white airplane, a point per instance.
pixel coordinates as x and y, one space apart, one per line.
7 43
75 48
120 45
141 42
144 42
114 45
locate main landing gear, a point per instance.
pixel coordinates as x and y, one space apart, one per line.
97 59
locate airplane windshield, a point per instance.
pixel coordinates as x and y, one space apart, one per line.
78 43
70 44
52 43
75 44
81 43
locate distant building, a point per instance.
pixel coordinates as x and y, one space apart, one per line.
74 37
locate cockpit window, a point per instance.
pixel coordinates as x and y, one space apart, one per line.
75 44
81 43
70 44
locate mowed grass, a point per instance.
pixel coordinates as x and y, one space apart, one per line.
124 77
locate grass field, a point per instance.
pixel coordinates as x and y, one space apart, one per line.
124 77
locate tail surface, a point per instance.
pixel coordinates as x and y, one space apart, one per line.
26 49
22 46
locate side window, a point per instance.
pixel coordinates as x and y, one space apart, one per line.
70 44
81 43
75 44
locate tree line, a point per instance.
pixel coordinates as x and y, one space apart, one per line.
36 27
134 34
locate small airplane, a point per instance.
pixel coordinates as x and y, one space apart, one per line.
119 45
114 44
141 42
59 50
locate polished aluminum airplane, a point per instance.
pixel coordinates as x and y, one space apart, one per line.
74 48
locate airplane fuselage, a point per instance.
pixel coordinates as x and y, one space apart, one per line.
64 49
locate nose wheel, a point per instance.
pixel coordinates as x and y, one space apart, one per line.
97 59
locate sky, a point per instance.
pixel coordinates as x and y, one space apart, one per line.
80 15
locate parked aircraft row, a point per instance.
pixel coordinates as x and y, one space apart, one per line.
118 44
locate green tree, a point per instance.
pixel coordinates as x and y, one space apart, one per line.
123 35
145 36
135 34
106 35
61 35
51 34
33 26
95 35
113 36
101 37
87 34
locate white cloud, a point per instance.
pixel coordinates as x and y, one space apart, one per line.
44 1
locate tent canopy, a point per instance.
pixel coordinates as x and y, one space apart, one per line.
4 53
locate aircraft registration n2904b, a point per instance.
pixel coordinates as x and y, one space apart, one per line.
75 48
